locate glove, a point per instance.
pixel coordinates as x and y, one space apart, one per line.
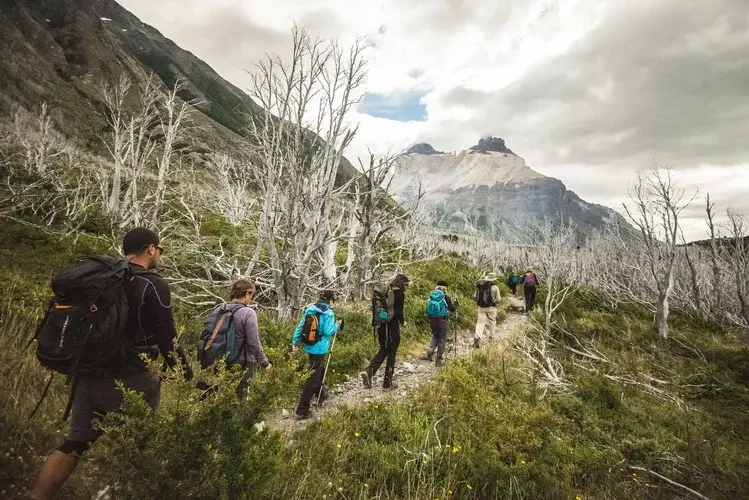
340 324
457 303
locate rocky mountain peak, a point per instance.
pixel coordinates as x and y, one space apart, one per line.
487 144
422 148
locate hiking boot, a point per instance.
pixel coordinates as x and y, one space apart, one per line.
366 379
303 416
427 357
476 342
391 387
439 363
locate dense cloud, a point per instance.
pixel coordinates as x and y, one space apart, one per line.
664 78
586 91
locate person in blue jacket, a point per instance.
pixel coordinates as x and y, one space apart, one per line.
314 331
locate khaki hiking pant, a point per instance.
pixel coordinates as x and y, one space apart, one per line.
486 322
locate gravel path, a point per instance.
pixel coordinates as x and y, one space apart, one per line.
411 372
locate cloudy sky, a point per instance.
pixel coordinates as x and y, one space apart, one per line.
587 91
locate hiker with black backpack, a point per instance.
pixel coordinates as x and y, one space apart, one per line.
487 298
438 309
314 332
529 289
106 312
230 332
387 318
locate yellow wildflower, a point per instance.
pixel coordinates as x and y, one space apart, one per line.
357 434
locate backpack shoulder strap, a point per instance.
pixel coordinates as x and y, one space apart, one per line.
216 329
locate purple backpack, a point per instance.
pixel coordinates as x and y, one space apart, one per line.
529 279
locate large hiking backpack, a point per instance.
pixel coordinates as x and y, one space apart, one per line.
437 305
383 304
311 334
484 294
85 323
529 279
219 337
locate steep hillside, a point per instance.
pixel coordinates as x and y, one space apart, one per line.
489 188
60 51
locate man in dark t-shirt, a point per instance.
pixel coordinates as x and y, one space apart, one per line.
389 337
150 330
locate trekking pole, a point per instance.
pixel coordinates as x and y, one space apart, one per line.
325 372
455 332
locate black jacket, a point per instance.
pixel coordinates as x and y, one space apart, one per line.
399 299
150 324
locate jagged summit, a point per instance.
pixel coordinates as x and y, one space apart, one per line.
487 144
422 148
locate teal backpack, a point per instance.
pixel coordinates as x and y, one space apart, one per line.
436 305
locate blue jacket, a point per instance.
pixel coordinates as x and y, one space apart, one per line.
326 325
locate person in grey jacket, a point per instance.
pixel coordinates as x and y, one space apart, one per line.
251 354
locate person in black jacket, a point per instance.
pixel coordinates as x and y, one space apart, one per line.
149 330
389 337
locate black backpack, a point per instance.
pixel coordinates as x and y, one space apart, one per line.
85 323
484 294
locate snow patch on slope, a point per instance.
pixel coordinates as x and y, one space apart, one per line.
439 172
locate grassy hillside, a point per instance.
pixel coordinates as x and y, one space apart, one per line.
485 429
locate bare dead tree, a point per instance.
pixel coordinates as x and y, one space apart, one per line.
693 268
738 260
299 140
556 257
140 143
713 231
657 204
40 141
174 117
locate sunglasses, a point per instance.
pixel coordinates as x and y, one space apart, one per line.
157 247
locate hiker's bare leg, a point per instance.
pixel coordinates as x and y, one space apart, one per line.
55 471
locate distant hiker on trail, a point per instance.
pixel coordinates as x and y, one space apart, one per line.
387 319
529 289
512 282
487 298
314 331
92 293
230 332
438 309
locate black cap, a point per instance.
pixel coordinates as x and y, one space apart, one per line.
403 278
442 283
137 239
327 295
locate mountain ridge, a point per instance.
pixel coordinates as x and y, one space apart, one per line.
61 51
488 187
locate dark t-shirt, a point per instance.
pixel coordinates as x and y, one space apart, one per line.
150 324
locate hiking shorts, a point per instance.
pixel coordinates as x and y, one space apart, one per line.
95 397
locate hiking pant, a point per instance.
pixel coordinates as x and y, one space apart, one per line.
313 385
244 382
439 336
486 322
514 288
95 397
530 296
249 372
389 338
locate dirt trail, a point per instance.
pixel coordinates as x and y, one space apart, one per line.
411 372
